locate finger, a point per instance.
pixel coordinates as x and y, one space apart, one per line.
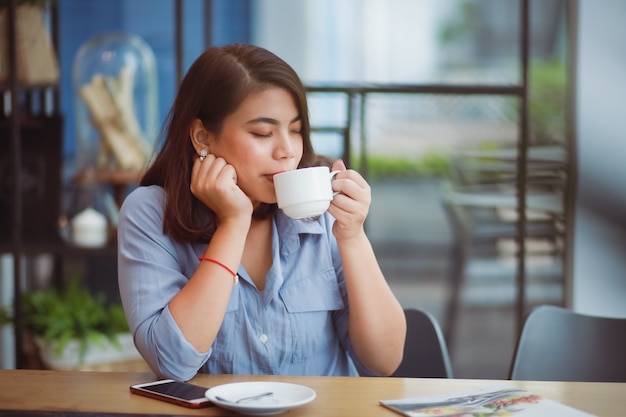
215 167
226 178
354 187
338 165
347 223
211 168
354 176
205 173
350 206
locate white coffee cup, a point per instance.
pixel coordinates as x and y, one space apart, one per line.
305 192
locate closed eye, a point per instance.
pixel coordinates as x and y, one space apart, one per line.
262 135
297 126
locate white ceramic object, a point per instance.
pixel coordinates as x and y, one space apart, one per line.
305 192
285 396
97 353
89 229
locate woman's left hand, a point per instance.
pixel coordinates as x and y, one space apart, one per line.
351 206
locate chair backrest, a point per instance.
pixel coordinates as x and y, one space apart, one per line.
557 344
425 350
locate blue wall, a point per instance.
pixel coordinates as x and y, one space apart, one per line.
153 21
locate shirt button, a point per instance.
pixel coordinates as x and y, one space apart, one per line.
263 338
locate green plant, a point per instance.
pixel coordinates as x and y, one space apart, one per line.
547 101
60 315
431 164
462 25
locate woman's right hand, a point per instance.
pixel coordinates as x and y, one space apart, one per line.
214 182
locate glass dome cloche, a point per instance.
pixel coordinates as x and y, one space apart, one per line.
114 79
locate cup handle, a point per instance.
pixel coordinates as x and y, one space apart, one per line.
332 176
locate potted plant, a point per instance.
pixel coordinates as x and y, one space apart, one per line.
72 327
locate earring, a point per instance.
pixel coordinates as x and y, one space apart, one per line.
203 154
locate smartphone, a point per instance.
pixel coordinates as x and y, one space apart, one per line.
175 392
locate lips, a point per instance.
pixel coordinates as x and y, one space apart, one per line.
271 176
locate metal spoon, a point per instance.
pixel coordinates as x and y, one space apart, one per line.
245 399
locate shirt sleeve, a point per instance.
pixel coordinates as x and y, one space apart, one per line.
341 317
151 271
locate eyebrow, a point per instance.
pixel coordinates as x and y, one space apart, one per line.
271 121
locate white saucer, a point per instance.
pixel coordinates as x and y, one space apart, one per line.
284 396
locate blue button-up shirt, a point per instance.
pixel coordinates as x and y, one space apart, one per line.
297 326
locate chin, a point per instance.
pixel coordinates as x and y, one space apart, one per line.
259 200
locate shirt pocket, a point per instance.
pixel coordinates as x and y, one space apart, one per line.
318 293
309 305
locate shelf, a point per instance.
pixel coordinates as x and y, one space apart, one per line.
31 87
59 247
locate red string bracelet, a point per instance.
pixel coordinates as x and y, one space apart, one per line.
234 274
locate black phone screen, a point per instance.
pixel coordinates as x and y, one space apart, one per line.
178 389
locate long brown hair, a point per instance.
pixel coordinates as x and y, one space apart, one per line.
216 84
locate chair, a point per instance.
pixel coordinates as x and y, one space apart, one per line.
480 200
425 350
557 344
480 233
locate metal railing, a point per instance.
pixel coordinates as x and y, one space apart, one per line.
359 94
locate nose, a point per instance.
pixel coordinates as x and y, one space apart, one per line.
284 146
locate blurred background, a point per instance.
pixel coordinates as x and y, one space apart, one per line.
491 132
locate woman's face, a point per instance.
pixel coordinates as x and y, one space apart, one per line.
261 138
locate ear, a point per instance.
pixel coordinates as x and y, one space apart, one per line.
199 136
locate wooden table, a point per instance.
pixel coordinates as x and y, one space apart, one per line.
99 393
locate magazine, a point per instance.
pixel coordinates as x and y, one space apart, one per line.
494 401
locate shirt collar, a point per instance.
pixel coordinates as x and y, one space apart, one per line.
289 230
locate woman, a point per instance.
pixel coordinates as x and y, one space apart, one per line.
213 277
